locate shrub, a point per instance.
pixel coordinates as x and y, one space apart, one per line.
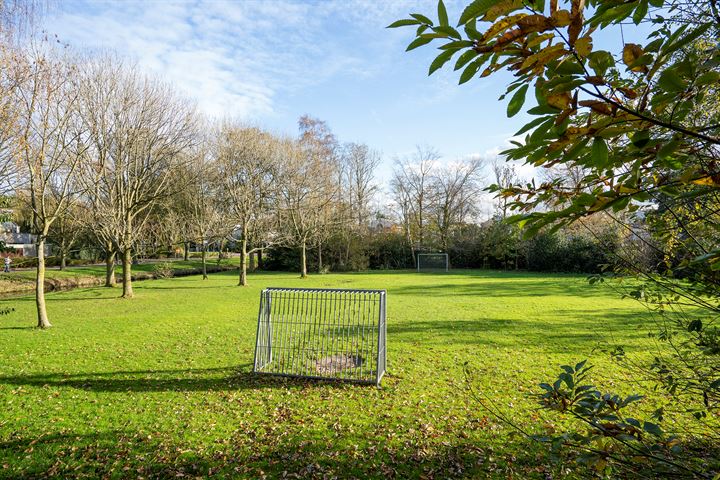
163 270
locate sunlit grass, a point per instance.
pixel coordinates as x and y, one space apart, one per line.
161 384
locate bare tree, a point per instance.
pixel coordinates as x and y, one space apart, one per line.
308 190
140 131
411 184
49 147
18 17
359 164
203 214
248 162
505 176
455 192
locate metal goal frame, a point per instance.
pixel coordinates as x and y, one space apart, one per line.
447 261
322 333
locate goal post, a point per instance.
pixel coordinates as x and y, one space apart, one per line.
432 262
322 333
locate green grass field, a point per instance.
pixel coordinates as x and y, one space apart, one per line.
161 385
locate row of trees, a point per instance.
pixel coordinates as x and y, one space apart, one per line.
92 151
100 157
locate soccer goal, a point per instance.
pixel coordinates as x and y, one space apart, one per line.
332 334
432 262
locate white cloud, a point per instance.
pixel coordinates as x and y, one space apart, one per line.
234 58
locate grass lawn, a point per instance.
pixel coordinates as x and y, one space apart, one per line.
161 385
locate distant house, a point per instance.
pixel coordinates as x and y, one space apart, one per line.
384 225
22 243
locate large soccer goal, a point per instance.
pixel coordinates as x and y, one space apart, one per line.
432 262
336 334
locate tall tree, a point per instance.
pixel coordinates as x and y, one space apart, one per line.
248 162
505 175
203 210
455 196
359 165
411 183
140 131
309 187
49 146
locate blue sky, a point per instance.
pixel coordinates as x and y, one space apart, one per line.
269 62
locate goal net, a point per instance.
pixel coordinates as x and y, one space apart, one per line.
322 333
432 262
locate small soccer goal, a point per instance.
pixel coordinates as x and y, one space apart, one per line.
331 334
432 262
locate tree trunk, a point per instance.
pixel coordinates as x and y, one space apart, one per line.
127 273
303 261
186 254
243 264
259 259
320 265
110 268
62 260
252 258
220 251
42 317
204 263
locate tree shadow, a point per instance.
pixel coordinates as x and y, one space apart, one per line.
178 380
576 329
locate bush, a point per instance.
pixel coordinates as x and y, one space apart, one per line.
163 270
389 250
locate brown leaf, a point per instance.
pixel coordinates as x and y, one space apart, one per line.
534 23
597 106
576 22
561 18
628 92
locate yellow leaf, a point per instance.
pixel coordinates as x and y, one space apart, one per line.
584 46
539 39
631 52
559 100
502 8
543 56
576 22
502 25
577 131
708 180
561 18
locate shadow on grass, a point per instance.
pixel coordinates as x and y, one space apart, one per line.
128 454
572 329
190 380
188 287
503 288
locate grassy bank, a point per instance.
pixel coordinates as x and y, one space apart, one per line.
19 281
161 385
